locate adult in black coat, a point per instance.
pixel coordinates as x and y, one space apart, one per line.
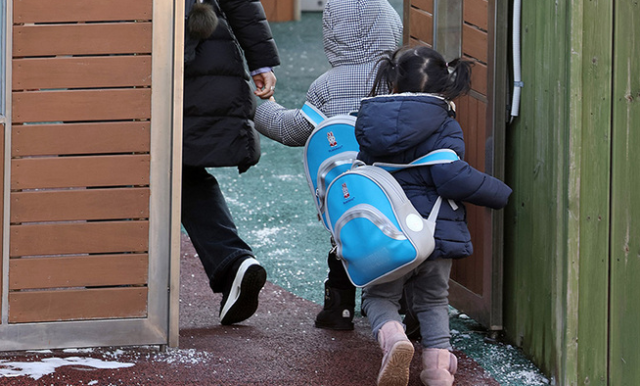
219 104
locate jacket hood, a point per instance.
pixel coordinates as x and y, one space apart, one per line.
391 124
359 31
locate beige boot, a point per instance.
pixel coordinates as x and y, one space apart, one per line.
398 352
438 367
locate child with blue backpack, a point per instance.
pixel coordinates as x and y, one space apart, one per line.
355 33
415 119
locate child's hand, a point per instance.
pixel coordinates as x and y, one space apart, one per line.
265 84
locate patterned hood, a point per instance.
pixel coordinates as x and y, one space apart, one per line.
358 31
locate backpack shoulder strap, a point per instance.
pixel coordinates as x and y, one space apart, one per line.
312 114
440 156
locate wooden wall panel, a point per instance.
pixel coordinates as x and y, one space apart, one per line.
421 25
81 138
82 39
81 72
50 11
471 115
476 12
49 306
623 356
82 204
479 78
81 158
82 105
425 5
65 172
79 238
474 43
78 271
279 10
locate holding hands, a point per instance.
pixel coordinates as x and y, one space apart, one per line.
265 84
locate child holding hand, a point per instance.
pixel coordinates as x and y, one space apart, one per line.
355 33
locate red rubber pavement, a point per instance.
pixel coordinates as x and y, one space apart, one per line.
277 346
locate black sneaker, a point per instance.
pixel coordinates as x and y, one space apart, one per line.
240 297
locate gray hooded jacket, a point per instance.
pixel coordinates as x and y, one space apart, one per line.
355 34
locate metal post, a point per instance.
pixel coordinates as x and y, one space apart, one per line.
447 28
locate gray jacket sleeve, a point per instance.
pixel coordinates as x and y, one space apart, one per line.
288 127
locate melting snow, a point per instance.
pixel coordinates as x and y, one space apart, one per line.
47 366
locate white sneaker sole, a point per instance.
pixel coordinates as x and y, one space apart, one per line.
242 301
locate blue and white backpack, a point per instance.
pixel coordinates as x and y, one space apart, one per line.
329 151
379 234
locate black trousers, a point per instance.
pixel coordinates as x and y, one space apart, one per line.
207 220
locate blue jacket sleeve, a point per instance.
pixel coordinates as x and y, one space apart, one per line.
459 181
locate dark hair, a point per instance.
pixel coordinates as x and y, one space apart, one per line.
421 69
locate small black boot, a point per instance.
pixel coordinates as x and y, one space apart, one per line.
337 313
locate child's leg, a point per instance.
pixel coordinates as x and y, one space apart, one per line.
381 304
339 298
431 305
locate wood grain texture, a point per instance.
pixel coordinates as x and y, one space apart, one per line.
78 271
56 11
81 72
73 172
50 306
79 238
81 138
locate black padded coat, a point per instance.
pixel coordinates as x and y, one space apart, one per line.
219 103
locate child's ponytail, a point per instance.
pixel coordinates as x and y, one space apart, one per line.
459 81
384 80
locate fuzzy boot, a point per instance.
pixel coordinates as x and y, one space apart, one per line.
398 352
438 367
337 313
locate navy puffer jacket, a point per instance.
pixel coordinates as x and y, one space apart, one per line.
219 103
400 128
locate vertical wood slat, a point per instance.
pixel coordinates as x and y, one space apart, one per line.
81 138
81 72
79 238
625 182
82 204
69 172
82 39
78 271
50 306
590 323
81 105
52 11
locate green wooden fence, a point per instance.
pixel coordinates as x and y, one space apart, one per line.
572 230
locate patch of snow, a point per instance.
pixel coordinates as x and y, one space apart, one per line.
37 370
